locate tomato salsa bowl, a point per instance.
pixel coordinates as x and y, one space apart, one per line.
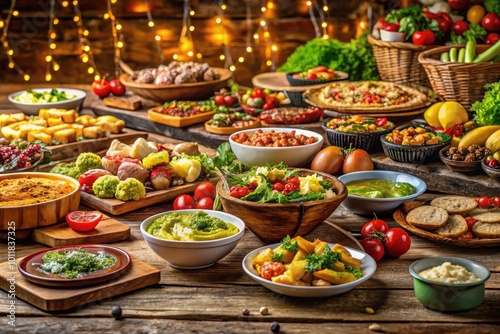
248 146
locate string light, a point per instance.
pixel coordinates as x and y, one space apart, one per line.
186 44
52 45
226 54
86 54
263 29
5 44
324 16
116 31
151 24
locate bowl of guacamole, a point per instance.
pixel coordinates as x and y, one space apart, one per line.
192 239
380 191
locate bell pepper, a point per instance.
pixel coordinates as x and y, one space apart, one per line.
186 169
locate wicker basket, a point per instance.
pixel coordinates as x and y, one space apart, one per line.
398 61
461 82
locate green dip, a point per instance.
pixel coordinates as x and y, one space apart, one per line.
379 188
75 262
197 226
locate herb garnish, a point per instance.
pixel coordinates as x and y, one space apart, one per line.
317 262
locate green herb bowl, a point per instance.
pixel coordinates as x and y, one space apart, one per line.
34 108
448 297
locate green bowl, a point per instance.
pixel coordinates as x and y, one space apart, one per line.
448 297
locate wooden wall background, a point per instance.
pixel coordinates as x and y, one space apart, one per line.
290 27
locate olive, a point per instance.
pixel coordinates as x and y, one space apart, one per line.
275 327
116 312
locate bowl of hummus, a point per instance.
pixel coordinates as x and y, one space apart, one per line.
449 283
192 239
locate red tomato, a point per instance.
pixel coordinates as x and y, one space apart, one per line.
466 236
320 69
312 76
223 90
378 225
392 27
219 100
382 23
446 17
484 202
228 100
258 92
83 220
491 22
492 38
443 24
357 160
101 88
373 247
397 242
496 201
457 4
425 37
459 27
206 203
204 189
88 178
184 202
117 88
271 269
470 222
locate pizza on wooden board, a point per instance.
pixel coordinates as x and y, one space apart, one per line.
370 95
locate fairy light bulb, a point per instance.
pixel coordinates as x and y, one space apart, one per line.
85 58
269 63
26 77
118 27
241 59
151 24
10 52
119 44
65 3
75 3
86 48
222 57
48 76
223 7
11 64
270 5
256 36
76 19
232 68
324 24
16 13
97 77
90 70
175 56
266 34
85 32
190 53
309 4
114 1
48 58
325 8
56 67
262 23
249 49
263 9
192 12
274 48
199 55
52 46
106 16
53 35
56 21
158 38
218 20
1 24
191 28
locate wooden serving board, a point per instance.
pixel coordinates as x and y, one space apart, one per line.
107 231
177 121
117 207
140 275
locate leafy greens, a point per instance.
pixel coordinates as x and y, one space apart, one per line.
488 110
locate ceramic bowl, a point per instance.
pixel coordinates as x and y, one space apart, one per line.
368 206
193 254
494 173
448 297
392 36
458 166
292 156
34 108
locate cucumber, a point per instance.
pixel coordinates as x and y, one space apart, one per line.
453 55
496 58
470 51
445 57
461 55
488 54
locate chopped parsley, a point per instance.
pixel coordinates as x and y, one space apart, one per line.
288 245
356 272
277 257
317 262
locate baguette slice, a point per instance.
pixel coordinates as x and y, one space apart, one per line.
488 217
486 230
480 210
427 217
455 226
455 205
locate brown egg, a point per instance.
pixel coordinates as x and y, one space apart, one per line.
328 160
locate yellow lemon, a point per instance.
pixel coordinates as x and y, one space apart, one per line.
431 115
452 113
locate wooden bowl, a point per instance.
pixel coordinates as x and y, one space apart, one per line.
24 218
271 222
494 173
459 166
188 91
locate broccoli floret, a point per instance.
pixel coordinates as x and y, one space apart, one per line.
87 161
68 169
156 159
130 189
105 186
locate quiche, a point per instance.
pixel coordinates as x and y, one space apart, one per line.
32 190
371 95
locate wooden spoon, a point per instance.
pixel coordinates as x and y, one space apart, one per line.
127 69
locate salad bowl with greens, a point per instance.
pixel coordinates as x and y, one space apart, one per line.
30 101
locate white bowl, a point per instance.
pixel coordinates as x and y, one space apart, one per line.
392 36
368 266
34 108
368 206
293 156
193 254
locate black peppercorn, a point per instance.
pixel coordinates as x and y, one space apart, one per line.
245 311
275 327
116 312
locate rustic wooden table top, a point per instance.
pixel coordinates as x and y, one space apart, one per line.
211 300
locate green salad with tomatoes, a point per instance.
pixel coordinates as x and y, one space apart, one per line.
278 184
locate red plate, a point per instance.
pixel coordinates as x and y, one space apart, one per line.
29 268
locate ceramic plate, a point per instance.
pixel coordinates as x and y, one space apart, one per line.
29 268
369 266
277 81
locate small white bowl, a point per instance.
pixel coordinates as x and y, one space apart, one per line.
34 108
292 156
392 36
193 254
368 206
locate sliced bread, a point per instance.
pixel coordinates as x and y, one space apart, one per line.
455 205
480 210
408 206
427 217
486 230
488 217
455 226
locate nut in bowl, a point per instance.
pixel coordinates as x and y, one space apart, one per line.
381 183
30 101
442 288
201 241
463 159
258 147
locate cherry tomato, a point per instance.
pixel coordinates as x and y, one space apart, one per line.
382 23
446 17
443 24
184 202
228 100
492 163
83 221
484 202
373 247
219 100
496 201
357 160
425 37
397 242
457 4
470 222
205 203
258 92
204 189
491 22
466 236
459 27
88 178
271 269
381 121
117 88
492 38
392 27
101 88
378 225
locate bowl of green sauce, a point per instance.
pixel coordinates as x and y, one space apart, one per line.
192 239
380 191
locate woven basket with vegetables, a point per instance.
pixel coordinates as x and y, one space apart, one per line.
459 73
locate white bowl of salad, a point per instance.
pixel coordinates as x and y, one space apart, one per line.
30 101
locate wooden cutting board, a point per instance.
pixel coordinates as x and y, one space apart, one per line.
107 231
58 299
